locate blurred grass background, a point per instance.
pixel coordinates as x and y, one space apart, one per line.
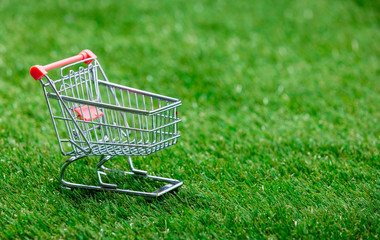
281 110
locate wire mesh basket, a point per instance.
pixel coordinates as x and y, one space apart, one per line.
95 117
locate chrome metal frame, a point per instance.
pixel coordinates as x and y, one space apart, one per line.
172 183
124 122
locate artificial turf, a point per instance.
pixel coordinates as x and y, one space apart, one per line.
280 131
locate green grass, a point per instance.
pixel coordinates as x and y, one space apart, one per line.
281 110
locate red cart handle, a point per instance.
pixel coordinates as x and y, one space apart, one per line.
39 71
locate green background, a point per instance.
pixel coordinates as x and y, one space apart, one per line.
280 131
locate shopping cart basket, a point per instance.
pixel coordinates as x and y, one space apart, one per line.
94 117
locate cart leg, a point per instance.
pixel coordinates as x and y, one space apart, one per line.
100 169
134 170
65 184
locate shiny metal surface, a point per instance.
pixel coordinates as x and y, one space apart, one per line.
94 117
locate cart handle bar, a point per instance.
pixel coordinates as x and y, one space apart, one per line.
39 71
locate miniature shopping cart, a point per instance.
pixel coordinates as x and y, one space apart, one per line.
94 117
